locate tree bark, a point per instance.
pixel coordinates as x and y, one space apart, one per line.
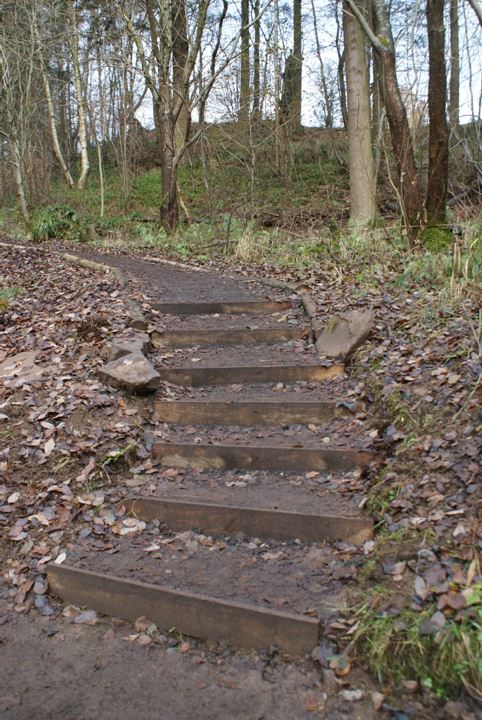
180 51
362 178
244 93
295 110
402 144
454 64
50 108
256 63
438 149
84 154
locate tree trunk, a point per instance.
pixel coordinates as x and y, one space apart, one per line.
402 144
244 94
295 110
256 63
50 109
84 155
341 70
280 135
454 64
180 50
362 179
327 95
438 149
19 179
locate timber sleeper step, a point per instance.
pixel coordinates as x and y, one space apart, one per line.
201 616
248 413
215 519
258 457
235 336
222 308
198 376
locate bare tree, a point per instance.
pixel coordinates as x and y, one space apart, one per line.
381 38
438 150
362 177
244 86
454 99
79 95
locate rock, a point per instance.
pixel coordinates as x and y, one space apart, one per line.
21 365
344 333
351 695
133 372
133 343
136 318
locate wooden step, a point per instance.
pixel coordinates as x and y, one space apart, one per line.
192 614
248 413
198 376
257 457
234 336
214 519
251 307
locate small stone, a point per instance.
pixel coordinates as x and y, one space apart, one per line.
132 343
351 695
377 699
344 333
87 617
133 372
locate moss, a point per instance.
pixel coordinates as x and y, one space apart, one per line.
436 238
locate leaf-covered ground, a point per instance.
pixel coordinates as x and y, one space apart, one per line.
70 449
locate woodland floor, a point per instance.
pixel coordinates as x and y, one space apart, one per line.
71 448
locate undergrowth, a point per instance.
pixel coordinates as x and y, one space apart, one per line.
396 649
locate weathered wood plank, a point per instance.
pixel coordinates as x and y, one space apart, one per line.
234 336
247 413
196 376
231 308
215 519
229 457
191 614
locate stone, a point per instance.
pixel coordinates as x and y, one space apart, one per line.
133 343
21 365
132 372
345 333
136 319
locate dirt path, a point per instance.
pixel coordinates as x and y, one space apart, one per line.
57 667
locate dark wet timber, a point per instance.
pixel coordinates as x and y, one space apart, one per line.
188 613
196 376
211 412
215 519
241 336
232 308
258 457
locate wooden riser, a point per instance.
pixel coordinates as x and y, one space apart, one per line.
226 308
190 614
251 457
214 519
243 336
205 412
196 377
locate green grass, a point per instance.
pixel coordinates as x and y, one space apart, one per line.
395 650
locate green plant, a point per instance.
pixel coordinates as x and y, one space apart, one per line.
396 650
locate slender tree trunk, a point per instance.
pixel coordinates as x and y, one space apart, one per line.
50 108
180 50
19 178
341 70
280 144
256 63
327 96
84 154
295 110
244 93
438 150
454 64
362 179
